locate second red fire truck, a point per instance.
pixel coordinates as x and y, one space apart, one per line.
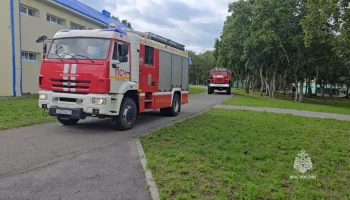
112 73
219 79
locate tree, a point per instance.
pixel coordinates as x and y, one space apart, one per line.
280 42
201 65
124 21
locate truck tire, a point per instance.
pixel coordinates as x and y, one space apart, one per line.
174 110
67 121
228 90
210 90
127 115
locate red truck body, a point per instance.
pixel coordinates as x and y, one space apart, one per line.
112 73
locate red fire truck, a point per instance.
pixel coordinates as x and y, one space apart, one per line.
219 79
112 73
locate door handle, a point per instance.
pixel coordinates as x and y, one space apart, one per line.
153 83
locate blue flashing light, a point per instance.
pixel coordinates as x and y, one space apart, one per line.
116 30
67 30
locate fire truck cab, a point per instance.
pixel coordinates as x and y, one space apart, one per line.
112 73
219 79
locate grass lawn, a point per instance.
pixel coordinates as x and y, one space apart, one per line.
327 104
196 89
225 154
17 112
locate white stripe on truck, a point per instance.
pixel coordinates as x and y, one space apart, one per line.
73 72
65 71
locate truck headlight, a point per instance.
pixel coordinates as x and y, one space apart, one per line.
99 101
43 96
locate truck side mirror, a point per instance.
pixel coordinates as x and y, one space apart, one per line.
44 50
124 50
41 39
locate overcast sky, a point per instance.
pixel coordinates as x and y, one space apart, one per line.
194 23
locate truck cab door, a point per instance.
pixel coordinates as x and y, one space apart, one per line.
119 65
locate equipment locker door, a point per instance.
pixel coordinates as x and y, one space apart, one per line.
149 69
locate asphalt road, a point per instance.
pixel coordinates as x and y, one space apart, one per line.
88 161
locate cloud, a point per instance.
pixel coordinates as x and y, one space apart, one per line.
194 23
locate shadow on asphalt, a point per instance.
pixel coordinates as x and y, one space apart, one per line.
94 124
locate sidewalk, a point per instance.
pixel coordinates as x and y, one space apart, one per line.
289 111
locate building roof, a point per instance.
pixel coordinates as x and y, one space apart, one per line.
103 16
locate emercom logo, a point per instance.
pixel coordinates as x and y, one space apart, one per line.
303 163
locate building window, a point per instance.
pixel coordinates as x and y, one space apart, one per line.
29 56
149 54
75 26
28 11
54 19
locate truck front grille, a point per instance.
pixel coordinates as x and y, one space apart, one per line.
219 80
64 99
70 84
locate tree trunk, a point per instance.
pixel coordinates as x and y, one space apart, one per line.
262 81
316 82
301 95
247 84
322 90
282 85
347 92
237 84
273 84
309 88
267 89
296 90
254 84
267 86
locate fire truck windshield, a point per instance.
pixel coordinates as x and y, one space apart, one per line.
220 73
80 48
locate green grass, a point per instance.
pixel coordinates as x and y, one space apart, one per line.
317 104
196 89
17 112
225 154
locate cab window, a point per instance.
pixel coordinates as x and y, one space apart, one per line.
117 51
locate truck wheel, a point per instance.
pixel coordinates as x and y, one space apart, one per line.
228 91
174 110
210 90
67 121
127 115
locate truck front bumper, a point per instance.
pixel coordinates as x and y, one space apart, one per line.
219 85
79 105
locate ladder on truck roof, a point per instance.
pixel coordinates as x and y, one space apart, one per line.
160 39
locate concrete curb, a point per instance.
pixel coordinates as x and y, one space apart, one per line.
150 181
152 184
302 113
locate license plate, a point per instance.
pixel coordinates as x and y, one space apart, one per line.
63 112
